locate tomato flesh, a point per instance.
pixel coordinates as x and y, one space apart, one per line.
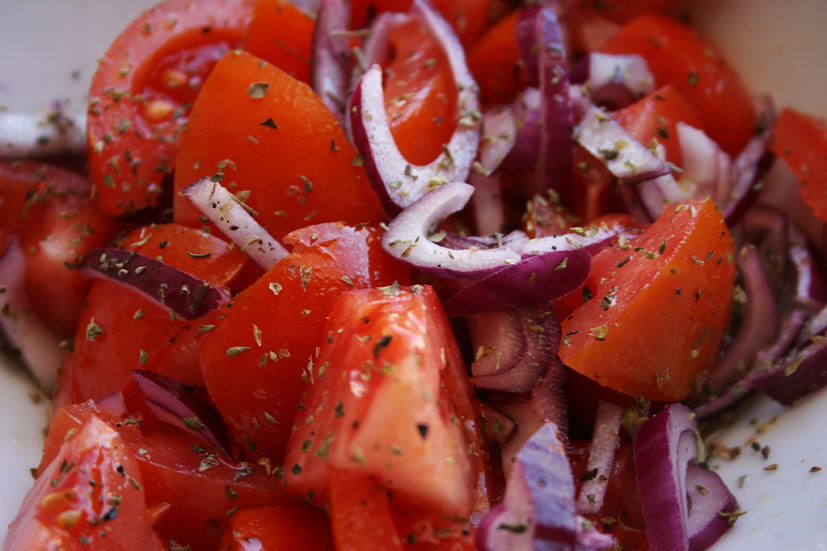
678 276
678 56
282 34
278 528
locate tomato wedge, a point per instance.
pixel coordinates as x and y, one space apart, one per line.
278 528
284 152
89 497
801 140
496 63
282 34
420 94
381 404
143 90
677 55
677 276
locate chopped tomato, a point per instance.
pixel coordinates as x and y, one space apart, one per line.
278 528
282 34
496 64
677 55
801 140
119 330
90 496
420 94
50 211
427 531
360 513
467 17
655 117
620 11
591 181
193 485
678 276
255 358
381 404
284 153
142 92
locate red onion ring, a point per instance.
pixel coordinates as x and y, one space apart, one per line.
601 457
330 60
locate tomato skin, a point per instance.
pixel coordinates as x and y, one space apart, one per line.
656 117
495 62
140 94
257 391
89 497
383 405
279 528
281 34
620 11
297 174
677 56
137 333
684 287
360 513
420 94
56 224
801 140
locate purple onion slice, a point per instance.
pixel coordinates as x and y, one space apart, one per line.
533 280
169 287
32 135
601 457
761 323
397 182
499 133
39 346
800 372
330 61
409 239
182 407
810 291
625 157
235 221
710 502
526 110
516 359
538 509
498 425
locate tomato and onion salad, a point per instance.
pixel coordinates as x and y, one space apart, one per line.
272 363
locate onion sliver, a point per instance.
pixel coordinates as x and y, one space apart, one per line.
25 330
533 280
182 407
538 508
233 218
167 286
330 63
601 457
760 324
397 182
710 505
25 135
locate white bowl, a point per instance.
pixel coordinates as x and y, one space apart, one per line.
50 49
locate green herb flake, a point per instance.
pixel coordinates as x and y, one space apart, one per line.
257 90
193 423
236 350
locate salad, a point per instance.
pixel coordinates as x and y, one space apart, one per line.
243 353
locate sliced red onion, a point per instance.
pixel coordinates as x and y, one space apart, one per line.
625 157
397 182
761 323
526 110
810 290
499 132
605 441
663 447
538 508
751 165
556 151
27 135
799 373
589 538
625 198
526 34
790 330
516 359
710 501
408 239
167 286
768 228
498 426
330 62
39 346
533 280
706 168
235 221
815 326
615 80
113 404
182 407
